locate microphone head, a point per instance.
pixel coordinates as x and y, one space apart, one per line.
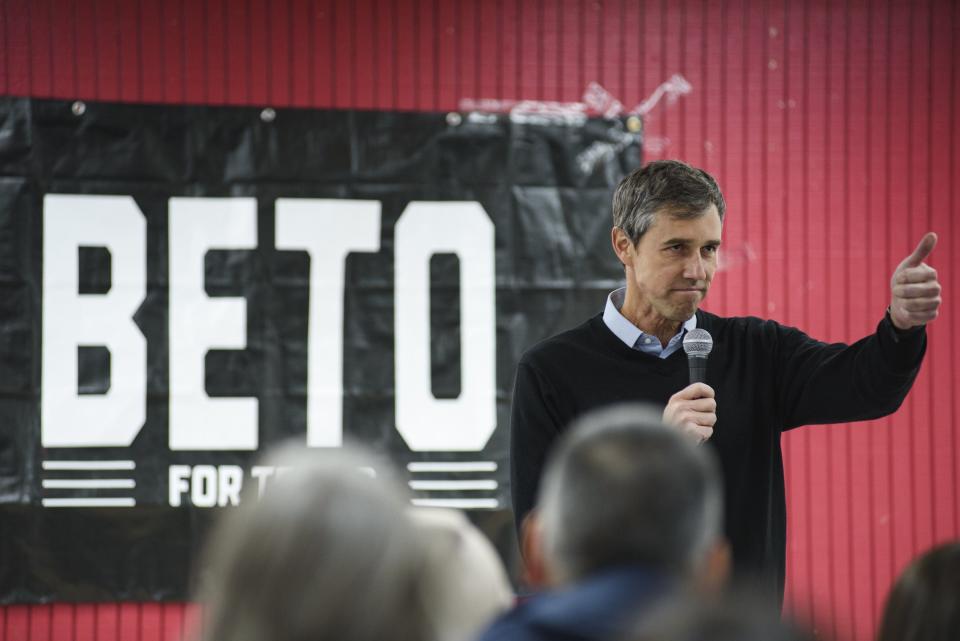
697 343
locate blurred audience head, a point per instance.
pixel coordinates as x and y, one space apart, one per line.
328 552
738 617
465 584
621 488
924 604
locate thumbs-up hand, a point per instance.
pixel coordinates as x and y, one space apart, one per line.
915 291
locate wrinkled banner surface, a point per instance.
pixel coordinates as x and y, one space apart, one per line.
183 286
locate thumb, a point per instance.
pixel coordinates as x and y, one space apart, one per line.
694 391
927 243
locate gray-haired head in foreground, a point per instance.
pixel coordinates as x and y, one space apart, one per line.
670 186
622 488
327 553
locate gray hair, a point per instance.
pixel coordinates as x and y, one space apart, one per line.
327 552
675 187
465 582
623 488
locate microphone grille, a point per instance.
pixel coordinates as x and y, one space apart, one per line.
697 343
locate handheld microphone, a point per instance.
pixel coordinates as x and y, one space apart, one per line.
697 344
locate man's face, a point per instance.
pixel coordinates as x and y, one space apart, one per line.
674 262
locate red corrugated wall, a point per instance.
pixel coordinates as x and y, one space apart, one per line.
828 124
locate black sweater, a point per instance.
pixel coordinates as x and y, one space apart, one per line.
767 378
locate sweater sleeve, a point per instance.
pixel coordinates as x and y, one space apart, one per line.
534 426
836 383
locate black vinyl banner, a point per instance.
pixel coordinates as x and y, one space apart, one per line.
181 287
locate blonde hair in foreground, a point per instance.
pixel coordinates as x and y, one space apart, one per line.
328 552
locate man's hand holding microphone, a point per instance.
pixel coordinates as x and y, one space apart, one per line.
694 408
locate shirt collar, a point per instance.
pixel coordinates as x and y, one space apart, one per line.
624 329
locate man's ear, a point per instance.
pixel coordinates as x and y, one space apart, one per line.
714 571
622 246
531 549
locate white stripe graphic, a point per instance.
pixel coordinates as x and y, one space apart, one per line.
69 484
453 485
89 465
461 503
453 466
117 502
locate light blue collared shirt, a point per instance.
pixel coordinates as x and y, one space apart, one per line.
632 335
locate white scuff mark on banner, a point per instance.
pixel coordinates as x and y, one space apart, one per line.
478 118
538 112
525 111
673 88
601 151
601 101
596 102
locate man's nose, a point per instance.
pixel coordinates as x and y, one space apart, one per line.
695 269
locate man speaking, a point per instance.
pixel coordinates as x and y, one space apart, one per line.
761 377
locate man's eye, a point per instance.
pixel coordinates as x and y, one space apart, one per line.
710 249
675 248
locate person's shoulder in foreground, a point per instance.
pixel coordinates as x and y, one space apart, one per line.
732 616
592 609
